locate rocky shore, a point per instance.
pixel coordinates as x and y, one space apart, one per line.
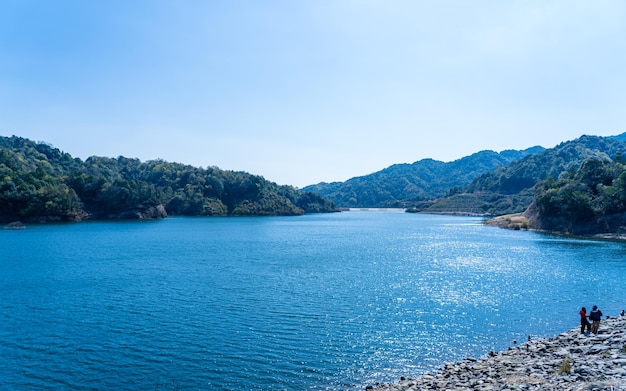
569 361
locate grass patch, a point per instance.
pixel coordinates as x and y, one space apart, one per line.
565 368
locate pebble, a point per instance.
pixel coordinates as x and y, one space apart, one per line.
570 361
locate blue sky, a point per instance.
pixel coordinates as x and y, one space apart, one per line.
307 91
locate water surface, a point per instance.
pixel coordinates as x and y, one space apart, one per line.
331 301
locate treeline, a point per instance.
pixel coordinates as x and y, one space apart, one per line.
587 200
42 183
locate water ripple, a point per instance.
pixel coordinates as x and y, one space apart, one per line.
320 302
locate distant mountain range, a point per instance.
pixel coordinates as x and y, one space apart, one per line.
485 183
404 185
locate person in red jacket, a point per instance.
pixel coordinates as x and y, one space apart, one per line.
584 323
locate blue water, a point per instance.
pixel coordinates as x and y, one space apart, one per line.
321 302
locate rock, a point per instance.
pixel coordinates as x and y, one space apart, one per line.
15 225
569 361
597 349
151 212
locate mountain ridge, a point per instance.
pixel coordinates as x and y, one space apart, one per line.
400 185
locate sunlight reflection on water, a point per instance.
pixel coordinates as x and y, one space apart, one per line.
320 302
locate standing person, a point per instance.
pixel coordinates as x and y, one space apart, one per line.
595 315
584 323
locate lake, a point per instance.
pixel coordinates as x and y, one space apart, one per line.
320 302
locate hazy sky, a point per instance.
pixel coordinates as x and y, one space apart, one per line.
304 91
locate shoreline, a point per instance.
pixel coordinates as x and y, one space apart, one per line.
518 221
568 361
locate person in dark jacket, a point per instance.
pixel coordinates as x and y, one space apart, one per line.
595 315
584 323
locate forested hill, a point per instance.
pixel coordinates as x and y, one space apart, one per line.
401 185
567 156
42 183
512 189
587 201
588 197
